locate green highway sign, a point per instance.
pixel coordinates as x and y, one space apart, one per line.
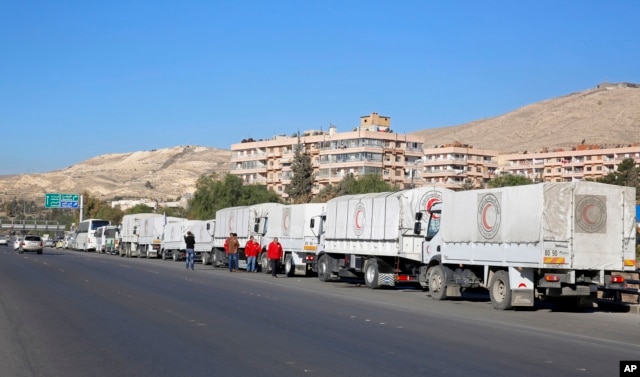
57 200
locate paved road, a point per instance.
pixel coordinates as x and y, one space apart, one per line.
67 313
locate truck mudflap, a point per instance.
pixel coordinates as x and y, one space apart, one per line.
522 286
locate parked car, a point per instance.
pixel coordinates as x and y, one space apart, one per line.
49 243
31 243
4 241
60 244
16 243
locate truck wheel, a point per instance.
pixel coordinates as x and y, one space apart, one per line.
163 256
264 263
216 260
371 274
289 267
175 256
324 273
500 291
438 283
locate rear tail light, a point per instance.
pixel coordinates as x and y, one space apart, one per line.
552 278
617 279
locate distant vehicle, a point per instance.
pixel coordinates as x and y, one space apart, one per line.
4 242
106 237
31 243
60 244
86 234
49 243
16 243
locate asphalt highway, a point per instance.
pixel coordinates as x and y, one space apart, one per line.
68 313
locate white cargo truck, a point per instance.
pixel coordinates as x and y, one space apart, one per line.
142 234
548 240
291 225
230 220
174 247
376 238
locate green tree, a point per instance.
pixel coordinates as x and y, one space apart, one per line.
625 175
301 185
506 179
349 185
468 184
173 211
213 193
106 212
139 208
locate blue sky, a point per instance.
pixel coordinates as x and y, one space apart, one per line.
84 78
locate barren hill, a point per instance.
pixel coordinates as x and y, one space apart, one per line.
160 174
607 115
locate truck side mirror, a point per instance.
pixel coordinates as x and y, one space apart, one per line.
312 223
135 229
208 226
418 216
417 227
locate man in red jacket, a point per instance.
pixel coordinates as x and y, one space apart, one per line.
274 253
251 250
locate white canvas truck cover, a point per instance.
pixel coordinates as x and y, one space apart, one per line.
152 228
374 223
290 223
570 225
228 220
174 235
131 222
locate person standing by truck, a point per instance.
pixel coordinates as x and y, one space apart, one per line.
251 250
190 240
274 253
232 252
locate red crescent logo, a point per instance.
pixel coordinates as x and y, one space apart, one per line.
484 218
585 214
522 285
430 204
285 220
358 216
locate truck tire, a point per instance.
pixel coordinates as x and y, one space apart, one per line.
500 291
264 263
438 283
324 272
175 256
289 267
371 274
215 262
163 256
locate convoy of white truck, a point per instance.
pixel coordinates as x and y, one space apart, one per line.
548 240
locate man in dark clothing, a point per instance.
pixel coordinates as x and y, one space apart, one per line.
190 240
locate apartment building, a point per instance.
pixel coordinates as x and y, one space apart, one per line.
457 165
370 148
579 163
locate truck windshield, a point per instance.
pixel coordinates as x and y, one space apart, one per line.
433 228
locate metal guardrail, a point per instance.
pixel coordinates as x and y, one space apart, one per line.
32 225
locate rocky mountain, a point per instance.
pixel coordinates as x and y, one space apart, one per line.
160 174
607 115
